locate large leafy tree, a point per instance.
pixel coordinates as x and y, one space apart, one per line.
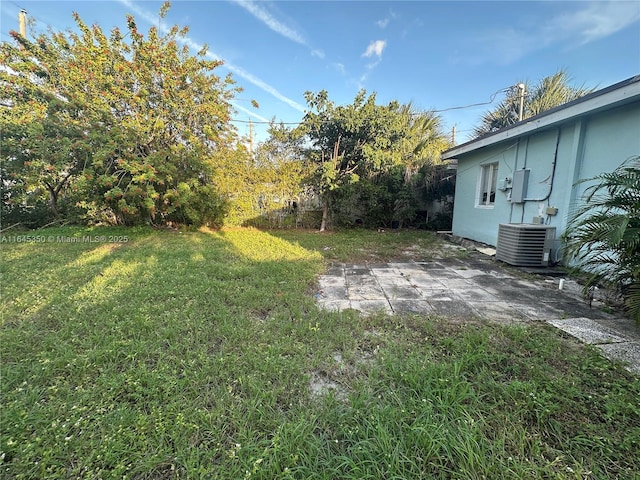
137 121
550 92
363 140
345 143
603 235
44 134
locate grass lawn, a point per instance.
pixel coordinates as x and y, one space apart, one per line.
202 355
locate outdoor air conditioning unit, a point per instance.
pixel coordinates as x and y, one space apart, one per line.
525 245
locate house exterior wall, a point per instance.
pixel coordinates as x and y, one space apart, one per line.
587 146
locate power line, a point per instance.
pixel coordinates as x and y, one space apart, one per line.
491 100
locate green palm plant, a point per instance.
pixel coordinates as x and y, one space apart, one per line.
603 235
550 92
424 142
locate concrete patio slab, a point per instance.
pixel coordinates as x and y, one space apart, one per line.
334 292
334 305
538 312
589 331
456 283
476 295
407 267
425 278
499 312
476 288
628 352
365 292
333 280
335 271
372 306
575 309
468 273
412 306
449 308
397 292
393 281
385 272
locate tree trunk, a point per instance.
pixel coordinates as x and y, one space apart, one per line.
54 192
53 200
325 213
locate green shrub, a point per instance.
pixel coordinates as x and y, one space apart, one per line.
603 235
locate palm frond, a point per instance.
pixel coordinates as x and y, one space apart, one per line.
603 235
632 300
548 93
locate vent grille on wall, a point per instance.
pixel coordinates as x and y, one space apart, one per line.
525 245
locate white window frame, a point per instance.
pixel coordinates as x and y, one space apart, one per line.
487 185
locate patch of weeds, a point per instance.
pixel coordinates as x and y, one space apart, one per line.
608 309
366 246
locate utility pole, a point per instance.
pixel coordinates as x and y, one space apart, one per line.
250 138
22 22
521 107
453 135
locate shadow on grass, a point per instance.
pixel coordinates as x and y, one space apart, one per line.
157 354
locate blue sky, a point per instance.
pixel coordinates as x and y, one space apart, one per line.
435 54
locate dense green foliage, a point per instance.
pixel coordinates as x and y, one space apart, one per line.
550 92
120 128
388 200
192 355
603 235
359 149
271 186
126 128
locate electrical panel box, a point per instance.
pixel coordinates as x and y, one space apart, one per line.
538 220
519 187
552 211
504 185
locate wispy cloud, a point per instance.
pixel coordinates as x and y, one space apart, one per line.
385 21
569 30
270 21
250 113
236 70
598 20
264 86
375 48
258 10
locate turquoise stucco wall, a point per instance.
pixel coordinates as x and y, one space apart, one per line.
587 147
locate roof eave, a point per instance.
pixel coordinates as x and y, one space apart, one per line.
610 97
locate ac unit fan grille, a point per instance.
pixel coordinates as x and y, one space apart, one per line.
524 244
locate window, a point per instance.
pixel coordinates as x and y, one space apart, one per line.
487 185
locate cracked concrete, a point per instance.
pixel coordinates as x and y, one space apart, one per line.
477 287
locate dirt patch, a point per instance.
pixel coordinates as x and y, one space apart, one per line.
337 377
442 250
320 384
